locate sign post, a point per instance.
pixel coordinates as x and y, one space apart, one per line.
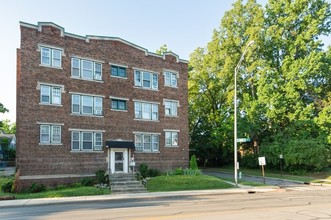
262 163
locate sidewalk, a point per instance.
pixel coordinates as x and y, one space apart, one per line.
112 197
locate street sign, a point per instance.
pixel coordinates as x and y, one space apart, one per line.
243 139
262 161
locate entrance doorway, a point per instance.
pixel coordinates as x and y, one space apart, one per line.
119 160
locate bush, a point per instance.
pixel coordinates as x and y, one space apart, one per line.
37 187
143 170
87 181
250 161
7 187
191 172
152 172
148 172
101 177
193 163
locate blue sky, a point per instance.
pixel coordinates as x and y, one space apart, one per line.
183 25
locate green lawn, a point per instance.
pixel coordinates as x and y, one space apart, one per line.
75 190
185 182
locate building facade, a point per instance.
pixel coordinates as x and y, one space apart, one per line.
91 103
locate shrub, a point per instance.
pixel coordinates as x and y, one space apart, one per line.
101 177
143 170
37 187
178 171
193 163
7 187
87 181
191 172
152 172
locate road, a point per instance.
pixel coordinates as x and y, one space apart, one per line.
304 203
258 179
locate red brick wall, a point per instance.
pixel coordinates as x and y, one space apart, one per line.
35 159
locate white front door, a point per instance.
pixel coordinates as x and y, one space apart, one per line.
119 160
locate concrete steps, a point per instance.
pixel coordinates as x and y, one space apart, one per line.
126 183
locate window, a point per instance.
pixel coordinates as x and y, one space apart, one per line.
50 94
117 104
146 79
170 108
170 79
51 56
118 71
50 134
86 69
171 138
86 105
147 142
146 111
86 141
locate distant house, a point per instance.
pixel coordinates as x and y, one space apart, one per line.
96 102
7 141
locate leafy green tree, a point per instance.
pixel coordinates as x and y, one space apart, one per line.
3 109
8 127
162 49
283 82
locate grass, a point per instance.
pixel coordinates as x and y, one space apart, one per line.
69 191
309 177
185 182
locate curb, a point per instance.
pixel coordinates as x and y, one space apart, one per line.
123 197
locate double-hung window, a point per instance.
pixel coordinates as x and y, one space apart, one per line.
86 141
147 142
170 107
146 111
51 57
117 104
50 134
50 94
86 105
86 69
118 71
171 138
146 79
170 79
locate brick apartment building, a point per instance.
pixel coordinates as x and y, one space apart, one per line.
90 103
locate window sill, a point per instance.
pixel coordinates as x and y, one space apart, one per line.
146 152
174 87
118 110
87 151
88 80
148 120
138 87
87 115
172 146
54 67
171 116
49 104
50 144
119 77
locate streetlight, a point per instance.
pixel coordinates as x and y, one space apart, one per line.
235 113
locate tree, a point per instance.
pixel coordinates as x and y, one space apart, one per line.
3 109
283 83
8 127
162 49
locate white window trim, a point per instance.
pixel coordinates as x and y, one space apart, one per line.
141 78
88 94
50 133
119 65
80 77
81 131
172 72
52 86
81 113
174 101
143 119
52 48
165 140
151 136
122 66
